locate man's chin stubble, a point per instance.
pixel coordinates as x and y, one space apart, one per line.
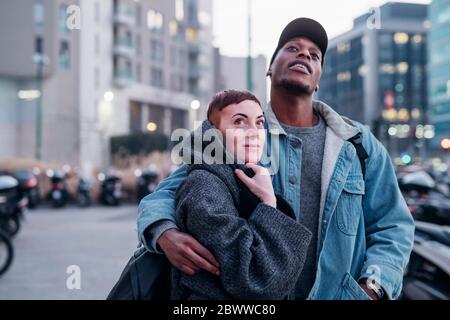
294 88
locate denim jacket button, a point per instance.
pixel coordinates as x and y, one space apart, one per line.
295 143
293 180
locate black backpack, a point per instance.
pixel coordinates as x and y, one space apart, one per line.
145 277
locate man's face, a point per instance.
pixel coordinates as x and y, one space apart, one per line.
297 67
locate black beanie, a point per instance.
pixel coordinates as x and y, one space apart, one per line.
307 28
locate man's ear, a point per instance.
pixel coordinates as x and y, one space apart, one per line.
317 88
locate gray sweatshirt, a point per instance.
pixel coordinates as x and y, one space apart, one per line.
260 257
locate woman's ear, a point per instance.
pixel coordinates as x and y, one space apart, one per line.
269 72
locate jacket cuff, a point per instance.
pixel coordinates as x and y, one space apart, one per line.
389 277
153 232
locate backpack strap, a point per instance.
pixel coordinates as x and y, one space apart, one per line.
356 141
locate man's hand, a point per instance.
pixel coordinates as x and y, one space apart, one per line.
369 291
187 254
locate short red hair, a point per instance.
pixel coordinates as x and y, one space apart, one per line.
225 98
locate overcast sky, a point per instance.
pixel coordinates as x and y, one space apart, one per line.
270 16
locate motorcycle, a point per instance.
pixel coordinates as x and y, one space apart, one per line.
6 252
427 275
84 193
12 205
425 199
58 194
111 189
147 182
29 186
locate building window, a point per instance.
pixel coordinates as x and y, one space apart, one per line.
156 78
123 69
173 28
343 47
39 45
191 35
344 76
177 83
402 67
204 18
155 21
63 19
64 55
179 10
39 15
192 12
157 51
401 38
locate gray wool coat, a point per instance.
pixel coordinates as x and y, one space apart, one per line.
260 257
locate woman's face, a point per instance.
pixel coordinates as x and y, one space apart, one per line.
242 126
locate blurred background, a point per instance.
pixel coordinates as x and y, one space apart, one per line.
91 91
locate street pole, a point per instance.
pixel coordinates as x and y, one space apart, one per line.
40 76
249 57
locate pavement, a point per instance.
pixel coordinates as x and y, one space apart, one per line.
70 253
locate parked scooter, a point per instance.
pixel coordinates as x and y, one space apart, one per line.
426 201
84 193
147 182
12 205
58 194
428 273
6 252
111 189
29 186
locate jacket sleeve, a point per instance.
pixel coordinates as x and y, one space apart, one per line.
260 258
389 224
159 206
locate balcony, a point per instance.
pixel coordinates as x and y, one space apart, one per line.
124 15
123 78
124 47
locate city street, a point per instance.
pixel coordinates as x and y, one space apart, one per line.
99 240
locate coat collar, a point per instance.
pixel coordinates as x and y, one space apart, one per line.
333 120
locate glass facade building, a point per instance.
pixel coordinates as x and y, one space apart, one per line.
439 70
378 75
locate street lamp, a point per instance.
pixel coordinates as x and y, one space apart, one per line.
195 106
40 60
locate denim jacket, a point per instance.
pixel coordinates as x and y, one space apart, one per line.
365 228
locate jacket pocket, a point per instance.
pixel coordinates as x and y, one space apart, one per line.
350 290
349 207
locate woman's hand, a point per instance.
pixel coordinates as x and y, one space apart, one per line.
260 184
